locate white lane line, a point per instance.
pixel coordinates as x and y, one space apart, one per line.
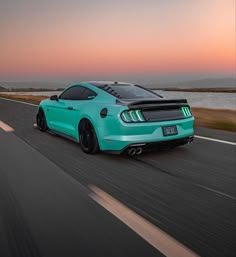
215 140
5 127
217 192
11 100
150 233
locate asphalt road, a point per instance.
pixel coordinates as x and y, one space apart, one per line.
46 209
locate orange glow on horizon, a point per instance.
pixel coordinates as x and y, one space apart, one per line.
128 45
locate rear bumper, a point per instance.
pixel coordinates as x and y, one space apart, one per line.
146 134
154 145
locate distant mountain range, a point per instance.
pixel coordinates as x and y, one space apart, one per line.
34 84
2 89
200 83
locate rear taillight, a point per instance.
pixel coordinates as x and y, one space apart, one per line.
186 111
132 116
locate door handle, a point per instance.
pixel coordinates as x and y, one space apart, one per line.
70 108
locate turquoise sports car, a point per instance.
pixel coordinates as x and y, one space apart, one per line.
116 117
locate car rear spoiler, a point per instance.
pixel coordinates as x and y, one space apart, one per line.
154 104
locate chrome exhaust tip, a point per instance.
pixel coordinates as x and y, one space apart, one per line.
190 140
139 150
132 151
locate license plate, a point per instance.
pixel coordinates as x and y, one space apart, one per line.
169 131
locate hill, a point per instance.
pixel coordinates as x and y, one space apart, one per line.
3 89
199 83
44 85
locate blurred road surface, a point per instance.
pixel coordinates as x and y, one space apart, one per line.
47 207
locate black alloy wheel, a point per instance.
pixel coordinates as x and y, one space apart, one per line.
88 137
41 121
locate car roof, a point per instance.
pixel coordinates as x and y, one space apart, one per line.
103 83
108 87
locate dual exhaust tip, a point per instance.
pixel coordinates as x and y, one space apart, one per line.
135 151
132 151
190 139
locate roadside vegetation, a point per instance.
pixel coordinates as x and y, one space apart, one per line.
210 118
35 99
215 119
2 89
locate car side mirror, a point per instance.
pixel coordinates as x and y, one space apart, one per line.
54 97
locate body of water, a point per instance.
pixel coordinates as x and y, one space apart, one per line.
195 99
204 99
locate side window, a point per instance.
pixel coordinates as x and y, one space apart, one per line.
88 94
73 93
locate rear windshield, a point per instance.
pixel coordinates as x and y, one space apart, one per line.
128 91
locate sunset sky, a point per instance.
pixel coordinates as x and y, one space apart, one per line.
106 39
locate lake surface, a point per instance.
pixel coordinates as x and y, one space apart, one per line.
195 99
204 99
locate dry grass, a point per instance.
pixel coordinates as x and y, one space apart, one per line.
211 118
26 98
216 119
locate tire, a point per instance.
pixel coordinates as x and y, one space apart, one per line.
87 137
41 121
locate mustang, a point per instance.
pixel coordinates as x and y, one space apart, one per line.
116 117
